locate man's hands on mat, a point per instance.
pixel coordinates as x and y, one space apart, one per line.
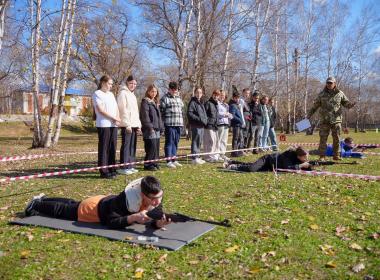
163 222
140 218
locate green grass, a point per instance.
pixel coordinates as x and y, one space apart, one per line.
278 225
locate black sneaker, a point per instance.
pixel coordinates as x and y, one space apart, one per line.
150 168
107 176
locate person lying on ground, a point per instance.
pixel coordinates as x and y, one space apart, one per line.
347 149
133 205
293 158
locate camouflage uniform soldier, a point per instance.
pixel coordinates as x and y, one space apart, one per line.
330 102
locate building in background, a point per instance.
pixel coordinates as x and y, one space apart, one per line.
21 101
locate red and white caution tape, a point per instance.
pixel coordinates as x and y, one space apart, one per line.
74 171
328 173
37 156
28 157
317 144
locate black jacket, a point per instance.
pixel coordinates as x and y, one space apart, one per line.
272 115
150 116
285 160
255 113
211 107
113 211
196 113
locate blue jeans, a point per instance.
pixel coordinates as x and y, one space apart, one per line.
172 135
273 138
263 135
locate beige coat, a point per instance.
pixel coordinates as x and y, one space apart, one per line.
128 108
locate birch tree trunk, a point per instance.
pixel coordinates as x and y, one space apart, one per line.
65 71
287 79
223 83
295 93
57 72
3 6
260 28
36 42
184 45
195 78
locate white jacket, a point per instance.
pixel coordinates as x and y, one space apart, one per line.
128 108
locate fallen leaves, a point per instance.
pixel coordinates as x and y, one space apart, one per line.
331 264
314 226
163 258
341 229
265 256
327 249
24 254
232 249
356 247
285 222
138 273
374 236
357 268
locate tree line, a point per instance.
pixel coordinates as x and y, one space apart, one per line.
284 48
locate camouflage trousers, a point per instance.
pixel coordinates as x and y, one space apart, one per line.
324 132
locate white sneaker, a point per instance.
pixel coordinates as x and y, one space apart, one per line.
197 161
134 170
176 163
201 161
125 171
41 195
171 165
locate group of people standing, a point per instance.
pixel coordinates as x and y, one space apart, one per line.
153 118
251 117
254 118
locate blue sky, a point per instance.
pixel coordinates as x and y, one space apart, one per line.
157 57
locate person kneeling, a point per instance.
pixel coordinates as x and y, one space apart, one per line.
290 159
133 205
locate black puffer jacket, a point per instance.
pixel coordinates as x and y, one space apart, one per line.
196 113
113 212
211 107
150 116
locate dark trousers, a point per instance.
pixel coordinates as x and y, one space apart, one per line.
107 148
262 164
128 146
172 135
152 151
237 138
60 208
196 140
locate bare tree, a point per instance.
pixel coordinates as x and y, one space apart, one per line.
36 43
66 6
260 24
65 73
101 45
3 6
228 46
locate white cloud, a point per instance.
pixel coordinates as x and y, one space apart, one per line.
377 51
319 2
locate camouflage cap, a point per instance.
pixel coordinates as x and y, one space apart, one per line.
330 80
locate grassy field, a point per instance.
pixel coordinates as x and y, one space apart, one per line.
292 227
